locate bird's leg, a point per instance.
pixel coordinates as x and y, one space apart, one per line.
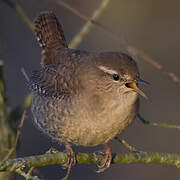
71 160
107 159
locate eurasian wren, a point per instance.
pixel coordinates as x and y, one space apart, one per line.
80 97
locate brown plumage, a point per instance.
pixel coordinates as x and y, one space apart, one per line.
80 97
50 36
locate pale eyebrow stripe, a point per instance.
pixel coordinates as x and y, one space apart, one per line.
107 70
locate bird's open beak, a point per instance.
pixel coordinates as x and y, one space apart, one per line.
133 85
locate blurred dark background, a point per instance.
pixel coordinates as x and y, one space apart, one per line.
150 25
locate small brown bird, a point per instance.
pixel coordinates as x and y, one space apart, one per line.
80 97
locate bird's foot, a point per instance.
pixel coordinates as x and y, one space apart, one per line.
70 162
71 159
107 159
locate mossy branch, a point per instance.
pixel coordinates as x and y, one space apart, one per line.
19 164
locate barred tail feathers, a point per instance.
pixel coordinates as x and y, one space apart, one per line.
48 32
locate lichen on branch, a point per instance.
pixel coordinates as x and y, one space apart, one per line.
17 165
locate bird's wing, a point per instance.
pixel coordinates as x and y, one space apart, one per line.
50 81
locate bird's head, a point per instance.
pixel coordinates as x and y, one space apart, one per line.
113 74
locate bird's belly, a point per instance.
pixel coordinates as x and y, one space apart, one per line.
83 126
92 131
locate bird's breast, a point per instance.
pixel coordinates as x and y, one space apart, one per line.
87 122
96 123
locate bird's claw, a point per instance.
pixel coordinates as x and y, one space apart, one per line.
70 162
106 160
105 164
71 159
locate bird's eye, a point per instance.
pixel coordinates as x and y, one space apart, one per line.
115 77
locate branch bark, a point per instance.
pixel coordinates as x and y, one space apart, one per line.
17 165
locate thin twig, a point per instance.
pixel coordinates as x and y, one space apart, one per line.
128 146
82 16
11 151
136 52
29 173
27 176
20 12
19 130
25 74
87 27
164 125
